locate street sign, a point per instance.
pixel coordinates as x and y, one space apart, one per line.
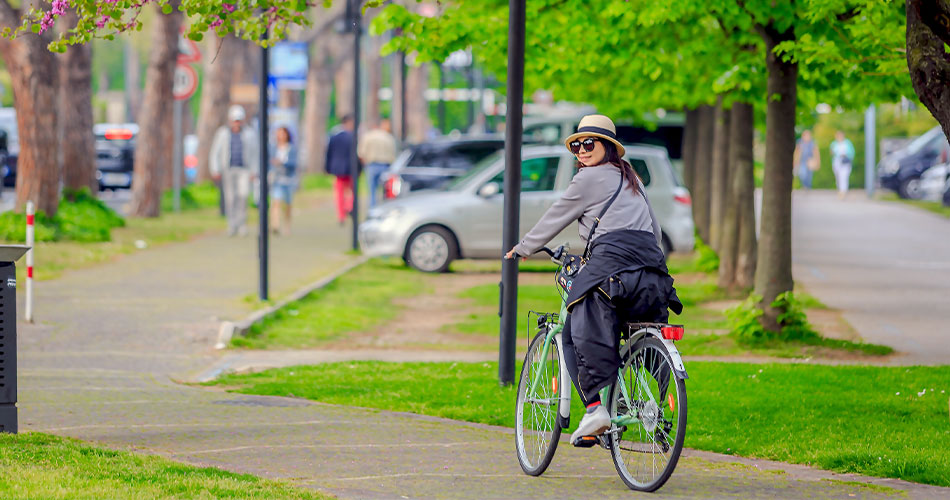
289 62
188 51
185 82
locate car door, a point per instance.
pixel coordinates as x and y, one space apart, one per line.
538 183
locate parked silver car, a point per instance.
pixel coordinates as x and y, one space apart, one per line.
430 229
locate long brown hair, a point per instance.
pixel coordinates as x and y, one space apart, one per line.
612 156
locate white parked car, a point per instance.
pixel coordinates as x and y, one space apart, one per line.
933 182
430 229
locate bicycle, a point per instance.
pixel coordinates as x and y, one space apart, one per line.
644 439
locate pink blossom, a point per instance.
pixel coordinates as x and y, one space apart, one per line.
47 22
102 21
229 7
59 7
216 23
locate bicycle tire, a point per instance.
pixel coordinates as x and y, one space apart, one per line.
650 434
541 422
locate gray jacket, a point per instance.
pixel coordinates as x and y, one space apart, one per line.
219 158
590 190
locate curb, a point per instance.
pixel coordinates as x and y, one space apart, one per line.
229 329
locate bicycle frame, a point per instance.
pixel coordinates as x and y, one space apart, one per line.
554 334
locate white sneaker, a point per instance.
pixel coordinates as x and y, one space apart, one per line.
593 424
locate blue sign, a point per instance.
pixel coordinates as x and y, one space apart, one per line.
289 62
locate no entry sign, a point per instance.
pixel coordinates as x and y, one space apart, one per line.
185 82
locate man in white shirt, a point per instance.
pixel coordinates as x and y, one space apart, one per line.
377 150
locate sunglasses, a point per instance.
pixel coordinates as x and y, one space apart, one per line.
588 145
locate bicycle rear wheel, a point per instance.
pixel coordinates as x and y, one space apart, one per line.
646 447
536 424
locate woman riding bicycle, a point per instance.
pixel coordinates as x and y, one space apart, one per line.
625 278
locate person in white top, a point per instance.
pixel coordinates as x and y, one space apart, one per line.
377 150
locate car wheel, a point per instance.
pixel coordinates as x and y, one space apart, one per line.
910 189
431 249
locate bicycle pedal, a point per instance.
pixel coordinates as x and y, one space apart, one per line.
585 441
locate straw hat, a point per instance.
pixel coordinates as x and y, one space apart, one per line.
596 126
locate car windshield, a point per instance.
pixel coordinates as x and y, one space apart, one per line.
925 140
480 166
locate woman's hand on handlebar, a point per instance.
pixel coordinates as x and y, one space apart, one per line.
512 254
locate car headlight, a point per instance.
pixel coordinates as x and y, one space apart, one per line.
890 166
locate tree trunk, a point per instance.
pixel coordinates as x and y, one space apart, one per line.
702 172
33 75
690 135
774 270
417 107
343 85
133 81
743 116
719 177
152 154
75 93
737 241
374 77
928 30
215 97
329 52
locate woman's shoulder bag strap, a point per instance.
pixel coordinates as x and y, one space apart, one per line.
593 226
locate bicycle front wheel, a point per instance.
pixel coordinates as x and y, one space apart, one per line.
536 424
650 401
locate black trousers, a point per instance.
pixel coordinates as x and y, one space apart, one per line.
591 334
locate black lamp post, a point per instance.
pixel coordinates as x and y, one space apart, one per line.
513 131
353 23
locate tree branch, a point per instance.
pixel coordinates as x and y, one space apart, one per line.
848 14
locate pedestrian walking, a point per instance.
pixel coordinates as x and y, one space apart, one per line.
807 159
842 156
338 165
234 161
377 150
283 181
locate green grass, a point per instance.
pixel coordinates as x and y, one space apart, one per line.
49 467
930 206
708 329
359 300
52 258
193 197
483 318
861 419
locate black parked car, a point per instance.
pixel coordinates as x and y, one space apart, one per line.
11 146
115 149
431 165
900 171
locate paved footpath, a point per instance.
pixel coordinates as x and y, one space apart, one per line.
102 366
885 265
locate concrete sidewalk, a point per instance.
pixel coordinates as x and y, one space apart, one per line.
102 363
884 264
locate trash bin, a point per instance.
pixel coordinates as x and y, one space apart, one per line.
8 256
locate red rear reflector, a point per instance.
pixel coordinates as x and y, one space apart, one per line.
554 384
669 401
683 198
672 332
118 133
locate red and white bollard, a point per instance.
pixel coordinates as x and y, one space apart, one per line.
29 262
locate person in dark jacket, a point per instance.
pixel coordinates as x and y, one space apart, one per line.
625 278
339 152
